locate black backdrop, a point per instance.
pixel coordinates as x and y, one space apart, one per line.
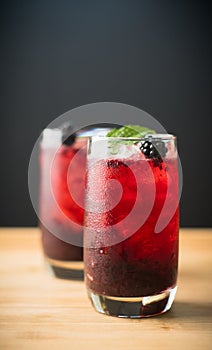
56 55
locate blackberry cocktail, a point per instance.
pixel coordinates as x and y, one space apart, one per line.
62 184
61 203
131 225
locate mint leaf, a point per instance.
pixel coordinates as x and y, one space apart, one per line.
130 131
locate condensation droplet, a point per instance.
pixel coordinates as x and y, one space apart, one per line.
89 277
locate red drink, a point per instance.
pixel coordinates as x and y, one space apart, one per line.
62 184
125 259
62 189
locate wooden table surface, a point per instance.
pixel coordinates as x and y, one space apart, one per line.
38 311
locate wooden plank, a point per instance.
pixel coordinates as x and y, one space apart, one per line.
38 311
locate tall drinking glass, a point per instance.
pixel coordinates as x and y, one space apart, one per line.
61 201
131 225
61 218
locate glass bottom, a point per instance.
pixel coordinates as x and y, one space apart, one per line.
133 307
71 270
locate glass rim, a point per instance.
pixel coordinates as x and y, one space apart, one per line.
147 137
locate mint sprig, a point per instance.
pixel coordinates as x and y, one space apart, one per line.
130 131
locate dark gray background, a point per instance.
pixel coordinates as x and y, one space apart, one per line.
57 55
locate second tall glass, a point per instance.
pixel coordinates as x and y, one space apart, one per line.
61 200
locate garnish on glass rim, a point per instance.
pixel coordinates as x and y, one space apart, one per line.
130 131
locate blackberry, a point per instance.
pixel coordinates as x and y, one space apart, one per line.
68 136
115 163
154 149
69 140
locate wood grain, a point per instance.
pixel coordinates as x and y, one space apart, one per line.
38 311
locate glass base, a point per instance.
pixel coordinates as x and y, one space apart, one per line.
71 270
133 307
